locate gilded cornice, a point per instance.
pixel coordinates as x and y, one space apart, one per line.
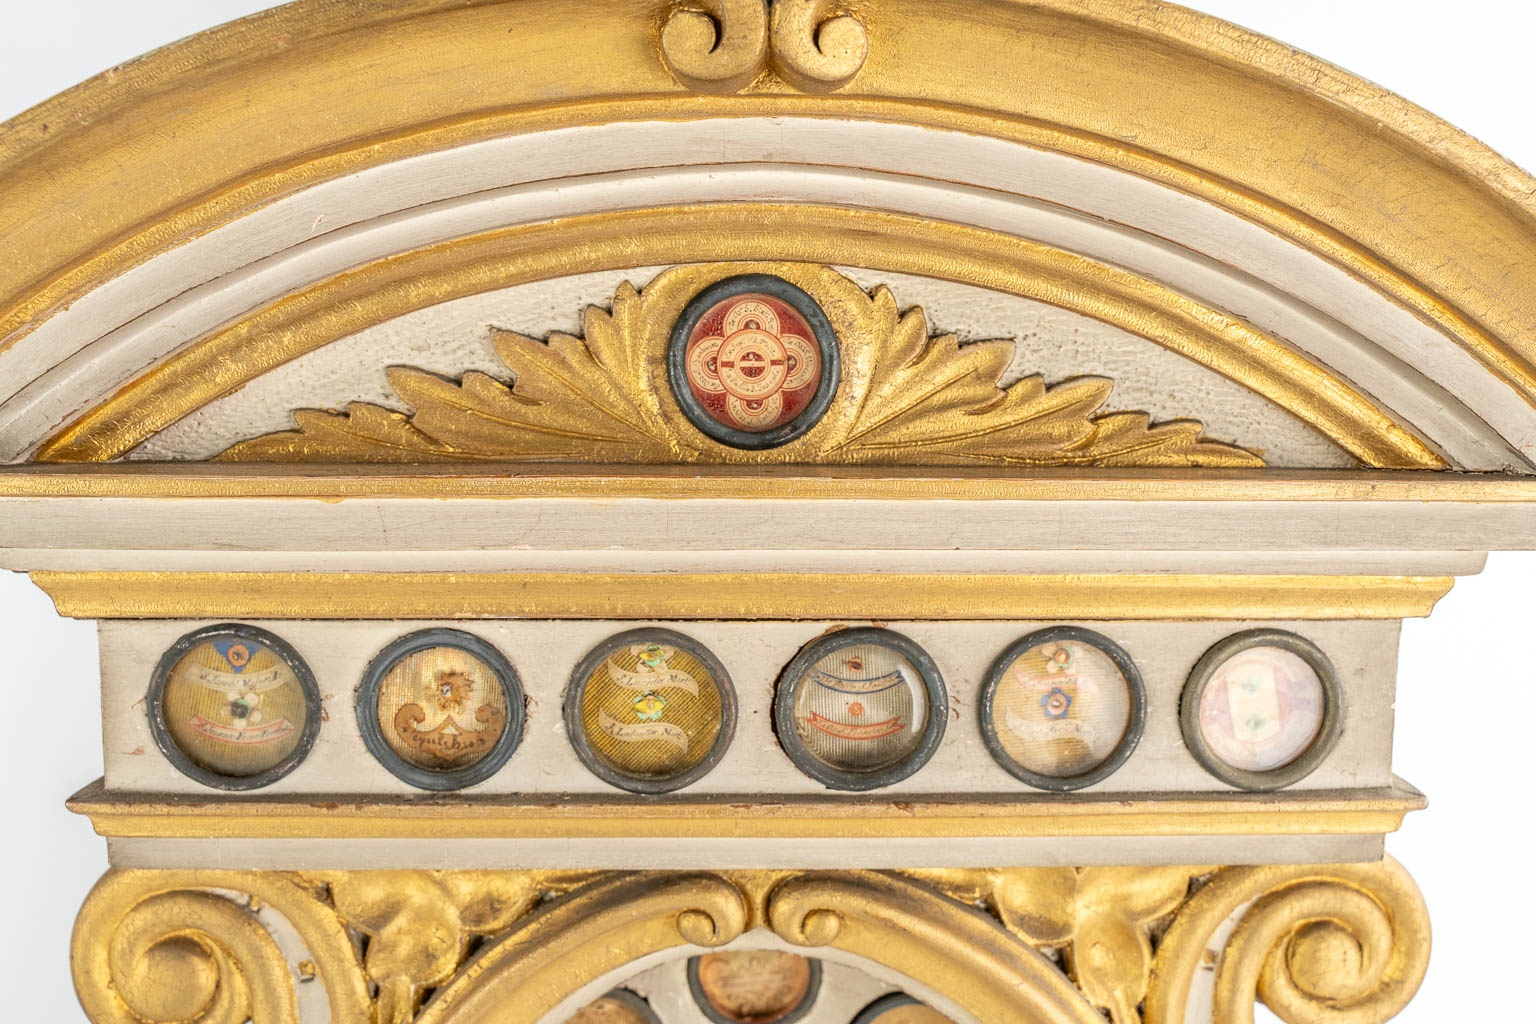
1371 812
963 596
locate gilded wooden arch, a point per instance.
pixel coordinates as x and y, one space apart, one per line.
1470 201
1343 171
222 362
905 926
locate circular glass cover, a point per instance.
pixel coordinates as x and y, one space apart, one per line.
899 1008
233 707
441 709
1261 709
754 987
860 709
1062 708
620 1006
753 361
650 710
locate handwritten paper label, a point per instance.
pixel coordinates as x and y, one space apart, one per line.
659 678
639 732
245 682
1044 732
253 735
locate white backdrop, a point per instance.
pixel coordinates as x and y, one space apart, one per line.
1467 686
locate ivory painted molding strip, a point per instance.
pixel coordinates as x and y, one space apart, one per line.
682 483
1369 812
743 596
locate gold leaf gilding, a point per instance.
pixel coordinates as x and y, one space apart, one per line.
726 44
1319 944
906 398
1100 917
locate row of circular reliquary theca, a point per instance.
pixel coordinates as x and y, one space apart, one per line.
754 987
651 710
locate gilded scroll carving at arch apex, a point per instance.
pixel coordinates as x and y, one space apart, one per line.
902 397
718 46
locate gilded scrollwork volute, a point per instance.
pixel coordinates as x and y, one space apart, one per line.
1317 944
719 46
1337 944
169 946
906 398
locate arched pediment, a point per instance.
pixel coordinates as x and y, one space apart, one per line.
922 488
1344 280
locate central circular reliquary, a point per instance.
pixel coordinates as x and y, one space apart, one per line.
753 361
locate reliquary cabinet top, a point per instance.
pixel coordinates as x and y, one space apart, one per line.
778 441
682 402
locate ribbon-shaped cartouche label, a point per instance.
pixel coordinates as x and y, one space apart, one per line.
652 671
639 732
1047 729
249 682
449 741
246 735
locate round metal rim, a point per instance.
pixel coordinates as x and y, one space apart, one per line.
154 707
826 344
885 1004
1134 727
633 783
833 778
632 1001
366 704
707 1009
1314 755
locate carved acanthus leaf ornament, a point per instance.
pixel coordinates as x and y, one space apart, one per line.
1100 917
905 398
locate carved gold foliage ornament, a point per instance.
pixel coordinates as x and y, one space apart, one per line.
1099 917
718 46
420 924
1339 944
904 398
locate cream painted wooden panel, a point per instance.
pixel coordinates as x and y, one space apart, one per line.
1368 563
545 653
724 854
239 525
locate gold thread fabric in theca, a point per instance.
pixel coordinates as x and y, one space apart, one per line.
234 707
651 711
